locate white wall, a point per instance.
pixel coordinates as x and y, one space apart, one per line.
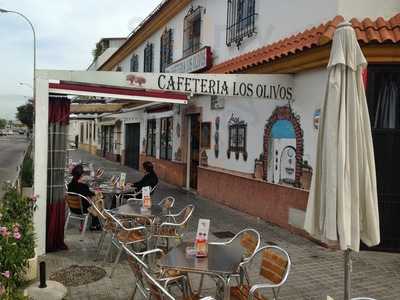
275 20
310 91
368 8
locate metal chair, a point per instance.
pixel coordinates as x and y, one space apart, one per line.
249 239
275 266
123 235
174 227
135 196
157 289
167 203
141 260
75 202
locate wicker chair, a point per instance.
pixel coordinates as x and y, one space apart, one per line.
145 260
135 196
124 235
174 227
74 202
274 265
158 291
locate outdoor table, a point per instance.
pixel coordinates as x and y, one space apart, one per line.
132 209
222 261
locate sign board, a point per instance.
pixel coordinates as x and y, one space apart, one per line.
201 243
122 180
146 197
261 86
195 62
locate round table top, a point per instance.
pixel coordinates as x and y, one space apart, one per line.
135 209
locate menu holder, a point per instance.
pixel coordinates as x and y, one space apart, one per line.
146 197
201 243
122 180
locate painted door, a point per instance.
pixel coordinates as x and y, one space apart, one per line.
132 145
288 164
194 148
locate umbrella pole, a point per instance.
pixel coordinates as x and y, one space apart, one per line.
347 273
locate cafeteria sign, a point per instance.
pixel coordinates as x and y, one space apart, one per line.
271 87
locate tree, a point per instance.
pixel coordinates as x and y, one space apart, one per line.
3 123
25 114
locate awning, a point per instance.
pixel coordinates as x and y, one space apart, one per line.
117 92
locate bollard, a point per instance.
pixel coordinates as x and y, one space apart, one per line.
42 275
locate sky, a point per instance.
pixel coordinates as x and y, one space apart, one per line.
67 32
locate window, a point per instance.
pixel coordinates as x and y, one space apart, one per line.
191 31
148 58
87 131
206 135
165 49
134 64
237 139
151 137
240 21
166 138
82 131
94 132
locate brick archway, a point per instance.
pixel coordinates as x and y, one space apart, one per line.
284 113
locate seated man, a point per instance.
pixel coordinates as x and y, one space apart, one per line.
149 179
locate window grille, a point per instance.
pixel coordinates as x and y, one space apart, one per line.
166 138
148 58
134 67
151 137
192 31
166 49
240 21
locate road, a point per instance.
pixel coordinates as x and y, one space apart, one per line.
11 153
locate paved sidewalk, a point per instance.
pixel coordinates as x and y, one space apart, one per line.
316 271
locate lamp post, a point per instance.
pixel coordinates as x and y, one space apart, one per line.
5 11
26 84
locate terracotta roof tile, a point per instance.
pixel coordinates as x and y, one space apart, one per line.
367 31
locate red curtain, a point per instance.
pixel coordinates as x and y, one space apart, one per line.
59 110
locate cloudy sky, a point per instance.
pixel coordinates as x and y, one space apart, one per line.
67 31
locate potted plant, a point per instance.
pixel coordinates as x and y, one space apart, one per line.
18 262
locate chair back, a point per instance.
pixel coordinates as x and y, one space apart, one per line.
275 264
184 215
74 201
250 241
157 291
153 189
167 202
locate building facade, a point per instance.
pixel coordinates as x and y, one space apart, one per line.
254 155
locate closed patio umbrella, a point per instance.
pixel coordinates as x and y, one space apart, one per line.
342 204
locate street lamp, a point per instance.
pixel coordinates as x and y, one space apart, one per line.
5 11
26 84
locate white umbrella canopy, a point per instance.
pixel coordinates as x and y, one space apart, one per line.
342 204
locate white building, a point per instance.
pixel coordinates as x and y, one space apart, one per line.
250 154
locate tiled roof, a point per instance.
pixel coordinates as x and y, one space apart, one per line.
367 31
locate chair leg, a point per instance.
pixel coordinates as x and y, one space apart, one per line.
108 252
100 244
116 261
134 292
84 227
67 221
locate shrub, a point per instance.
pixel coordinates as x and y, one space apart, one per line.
27 172
17 243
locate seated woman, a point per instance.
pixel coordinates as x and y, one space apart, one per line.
77 186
